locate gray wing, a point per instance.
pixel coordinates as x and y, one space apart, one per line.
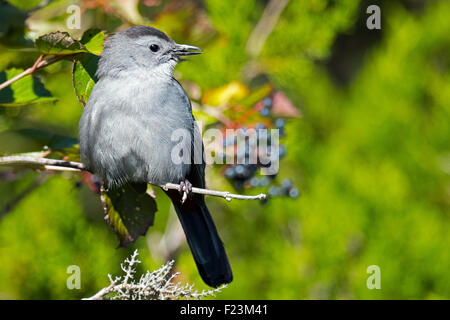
196 174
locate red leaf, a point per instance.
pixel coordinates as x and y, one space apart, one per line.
282 106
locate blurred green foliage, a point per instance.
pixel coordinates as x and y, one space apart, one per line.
371 156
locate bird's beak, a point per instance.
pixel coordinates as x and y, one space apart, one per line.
186 50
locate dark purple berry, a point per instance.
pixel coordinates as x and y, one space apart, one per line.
265 112
274 191
279 123
282 151
239 184
259 126
286 185
239 169
294 193
230 173
268 102
254 182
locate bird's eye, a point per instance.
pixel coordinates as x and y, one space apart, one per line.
154 47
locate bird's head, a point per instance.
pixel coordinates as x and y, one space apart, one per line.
142 48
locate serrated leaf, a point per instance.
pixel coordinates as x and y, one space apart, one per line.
59 43
27 90
83 76
128 212
93 40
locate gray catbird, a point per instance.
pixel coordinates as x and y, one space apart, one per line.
126 129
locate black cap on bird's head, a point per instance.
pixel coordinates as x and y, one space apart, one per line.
142 47
142 31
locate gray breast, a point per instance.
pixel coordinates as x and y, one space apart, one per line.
126 132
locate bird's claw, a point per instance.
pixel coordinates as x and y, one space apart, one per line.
185 189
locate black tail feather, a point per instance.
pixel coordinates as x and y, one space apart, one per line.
201 234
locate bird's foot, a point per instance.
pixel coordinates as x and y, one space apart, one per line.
185 189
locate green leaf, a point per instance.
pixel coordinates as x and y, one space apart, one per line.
128 212
46 138
11 20
93 40
83 75
27 90
204 117
233 91
25 5
85 65
54 145
256 95
59 43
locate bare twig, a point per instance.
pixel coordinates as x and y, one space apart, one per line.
40 63
48 164
62 165
9 206
223 194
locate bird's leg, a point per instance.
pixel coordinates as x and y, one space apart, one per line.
185 189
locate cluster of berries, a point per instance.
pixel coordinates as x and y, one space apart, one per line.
245 173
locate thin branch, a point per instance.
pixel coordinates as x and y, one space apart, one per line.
12 204
40 63
58 168
61 165
42 162
265 26
223 194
